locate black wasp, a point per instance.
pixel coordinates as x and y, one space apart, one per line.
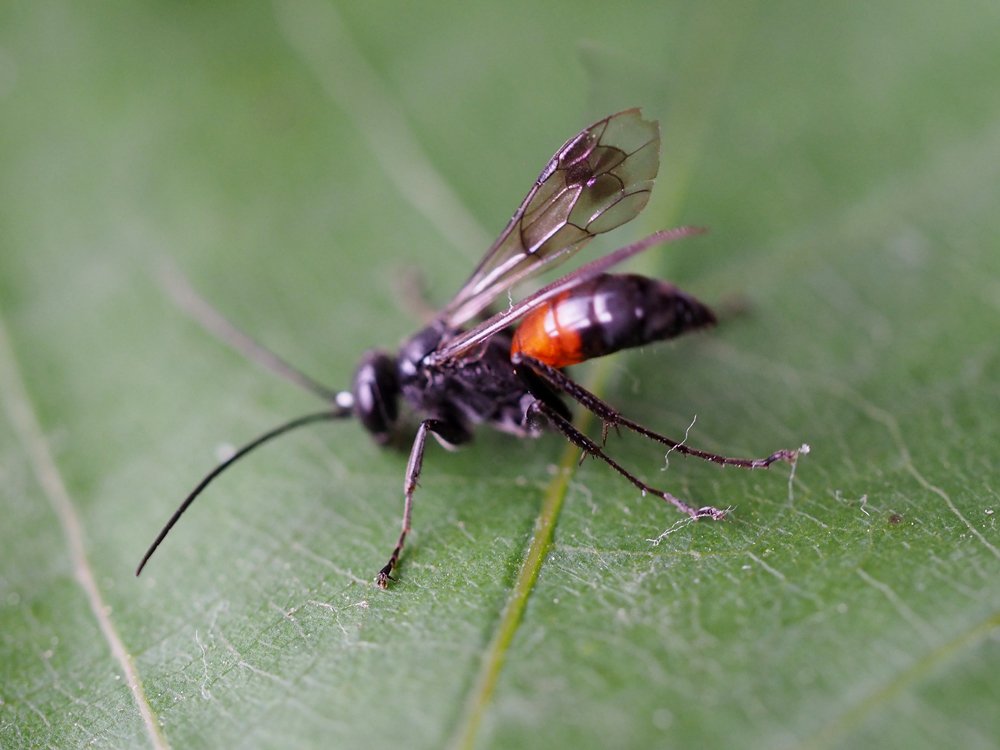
507 369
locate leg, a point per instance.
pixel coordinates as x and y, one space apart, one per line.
612 418
450 432
590 448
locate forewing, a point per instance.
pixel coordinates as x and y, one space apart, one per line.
600 179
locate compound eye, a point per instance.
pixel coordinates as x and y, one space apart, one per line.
376 394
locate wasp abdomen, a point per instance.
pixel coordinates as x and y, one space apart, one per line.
604 315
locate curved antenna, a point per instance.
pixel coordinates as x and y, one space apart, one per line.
342 412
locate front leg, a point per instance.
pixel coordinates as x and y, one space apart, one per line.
451 432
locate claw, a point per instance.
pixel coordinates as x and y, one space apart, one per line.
710 512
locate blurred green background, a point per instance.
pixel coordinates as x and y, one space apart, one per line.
294 160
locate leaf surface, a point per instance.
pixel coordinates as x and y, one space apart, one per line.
293 162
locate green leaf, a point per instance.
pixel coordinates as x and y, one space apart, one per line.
293 162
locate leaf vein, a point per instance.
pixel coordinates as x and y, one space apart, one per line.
17 404
315 32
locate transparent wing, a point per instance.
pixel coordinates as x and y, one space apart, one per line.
600 179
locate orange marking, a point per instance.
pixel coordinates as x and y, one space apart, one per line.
541 336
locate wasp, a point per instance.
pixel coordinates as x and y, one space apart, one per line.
469 366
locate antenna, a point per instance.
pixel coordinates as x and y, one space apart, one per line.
341 412
213 321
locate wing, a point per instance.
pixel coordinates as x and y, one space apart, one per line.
600 179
